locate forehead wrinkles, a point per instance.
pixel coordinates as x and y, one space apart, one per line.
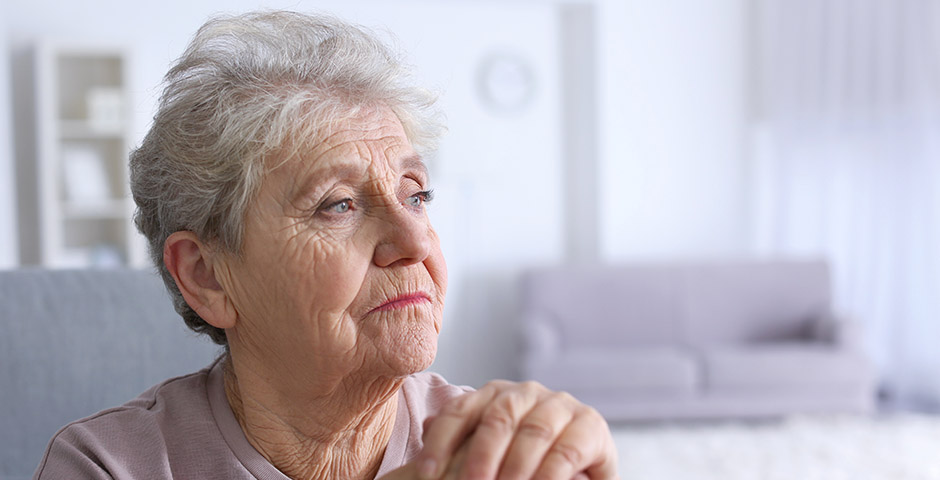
369 146
373 155
374 128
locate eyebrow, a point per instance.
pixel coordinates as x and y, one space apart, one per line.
319 176
414 162
347 170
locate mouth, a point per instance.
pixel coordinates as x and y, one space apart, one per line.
403 301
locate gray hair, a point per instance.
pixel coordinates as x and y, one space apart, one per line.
249 87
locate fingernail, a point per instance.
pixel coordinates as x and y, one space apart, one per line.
427 469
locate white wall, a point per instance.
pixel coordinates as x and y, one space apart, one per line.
671 127
497 175
673 90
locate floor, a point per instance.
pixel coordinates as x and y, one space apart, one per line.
889 447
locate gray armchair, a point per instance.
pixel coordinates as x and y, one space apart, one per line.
702 340
76 342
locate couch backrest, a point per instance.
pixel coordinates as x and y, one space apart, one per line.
605 306
753 302
688 304
75 342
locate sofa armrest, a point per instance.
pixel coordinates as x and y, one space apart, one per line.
838 330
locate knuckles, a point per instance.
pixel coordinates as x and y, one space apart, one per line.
567 454
504 409
460 406
499 419
538 430
596 418
565 398
532 385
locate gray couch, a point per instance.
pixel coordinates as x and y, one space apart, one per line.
694 341
75 342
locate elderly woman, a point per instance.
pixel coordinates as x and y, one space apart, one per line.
282 191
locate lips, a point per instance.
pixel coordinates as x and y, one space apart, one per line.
403 301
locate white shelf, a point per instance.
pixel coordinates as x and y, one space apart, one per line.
104 209
85 130
83 202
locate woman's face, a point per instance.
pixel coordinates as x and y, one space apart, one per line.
341 271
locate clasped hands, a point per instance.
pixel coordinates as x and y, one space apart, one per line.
510 430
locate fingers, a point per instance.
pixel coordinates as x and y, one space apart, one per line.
456 464
585 446
508 430
450 428
536 434
409 471
501 422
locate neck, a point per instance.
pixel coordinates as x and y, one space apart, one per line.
337 433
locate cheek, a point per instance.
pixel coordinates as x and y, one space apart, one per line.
328 272
437 267
315 280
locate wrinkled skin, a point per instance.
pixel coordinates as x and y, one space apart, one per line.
331 238
335 297
512 430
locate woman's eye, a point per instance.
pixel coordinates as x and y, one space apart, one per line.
419 198
341 206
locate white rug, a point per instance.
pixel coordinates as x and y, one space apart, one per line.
897 447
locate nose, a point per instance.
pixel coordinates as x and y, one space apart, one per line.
406 238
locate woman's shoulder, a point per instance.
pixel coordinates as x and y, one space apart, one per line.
145 409
138 436
428 391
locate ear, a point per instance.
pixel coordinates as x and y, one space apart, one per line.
189 261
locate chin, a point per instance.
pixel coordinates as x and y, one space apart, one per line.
412 351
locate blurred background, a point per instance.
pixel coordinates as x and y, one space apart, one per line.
594 132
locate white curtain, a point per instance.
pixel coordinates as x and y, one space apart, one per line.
847 165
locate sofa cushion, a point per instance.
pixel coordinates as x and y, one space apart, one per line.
784 368
636 371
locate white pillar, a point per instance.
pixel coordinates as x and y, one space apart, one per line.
8 225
